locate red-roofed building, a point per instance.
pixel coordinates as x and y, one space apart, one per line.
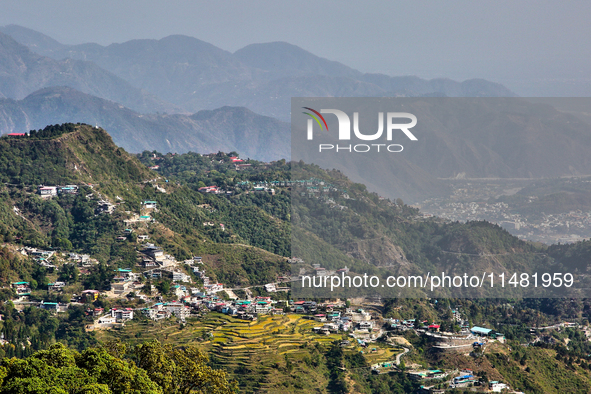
208 189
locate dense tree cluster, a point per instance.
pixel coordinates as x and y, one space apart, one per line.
149 368
52 131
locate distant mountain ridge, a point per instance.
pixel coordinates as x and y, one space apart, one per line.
478 139
23 72
196 75
227 129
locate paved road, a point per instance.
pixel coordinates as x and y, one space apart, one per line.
406 350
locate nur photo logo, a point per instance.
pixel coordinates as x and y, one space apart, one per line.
393 124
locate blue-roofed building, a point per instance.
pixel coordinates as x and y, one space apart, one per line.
49 306
480 331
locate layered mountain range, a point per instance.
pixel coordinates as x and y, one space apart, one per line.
180 94
196 75
224 129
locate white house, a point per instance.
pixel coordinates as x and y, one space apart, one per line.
180 277
178 309
122 313
497 387
48 191
149 204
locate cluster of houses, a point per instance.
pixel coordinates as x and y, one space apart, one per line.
21 288
209 286
51 191
244 309
124 281
41 257
284 183
165 310
402 325
199 301
158 311
24 289
117 316
466 378
359 322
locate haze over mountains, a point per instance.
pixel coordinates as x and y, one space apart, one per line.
181 94
460 138
195 75
23 72
226 129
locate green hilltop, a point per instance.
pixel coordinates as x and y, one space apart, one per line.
86 157
243 225
269 212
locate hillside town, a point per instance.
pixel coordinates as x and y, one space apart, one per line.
363 326
476 200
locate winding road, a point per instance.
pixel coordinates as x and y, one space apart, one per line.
406 350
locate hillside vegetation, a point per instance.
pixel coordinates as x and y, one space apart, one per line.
262 228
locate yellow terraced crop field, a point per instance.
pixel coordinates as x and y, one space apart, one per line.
235 344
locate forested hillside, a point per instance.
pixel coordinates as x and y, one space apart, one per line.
68 191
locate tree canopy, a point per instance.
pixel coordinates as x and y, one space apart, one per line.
150 368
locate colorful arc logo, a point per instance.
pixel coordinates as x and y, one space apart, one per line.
316 118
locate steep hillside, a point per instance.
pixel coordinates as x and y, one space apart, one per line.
334 222
76 154
346 225
239 252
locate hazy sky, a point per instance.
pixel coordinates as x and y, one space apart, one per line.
533 47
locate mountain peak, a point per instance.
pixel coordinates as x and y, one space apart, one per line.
36 41
89 153
282 57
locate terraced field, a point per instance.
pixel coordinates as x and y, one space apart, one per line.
258 353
